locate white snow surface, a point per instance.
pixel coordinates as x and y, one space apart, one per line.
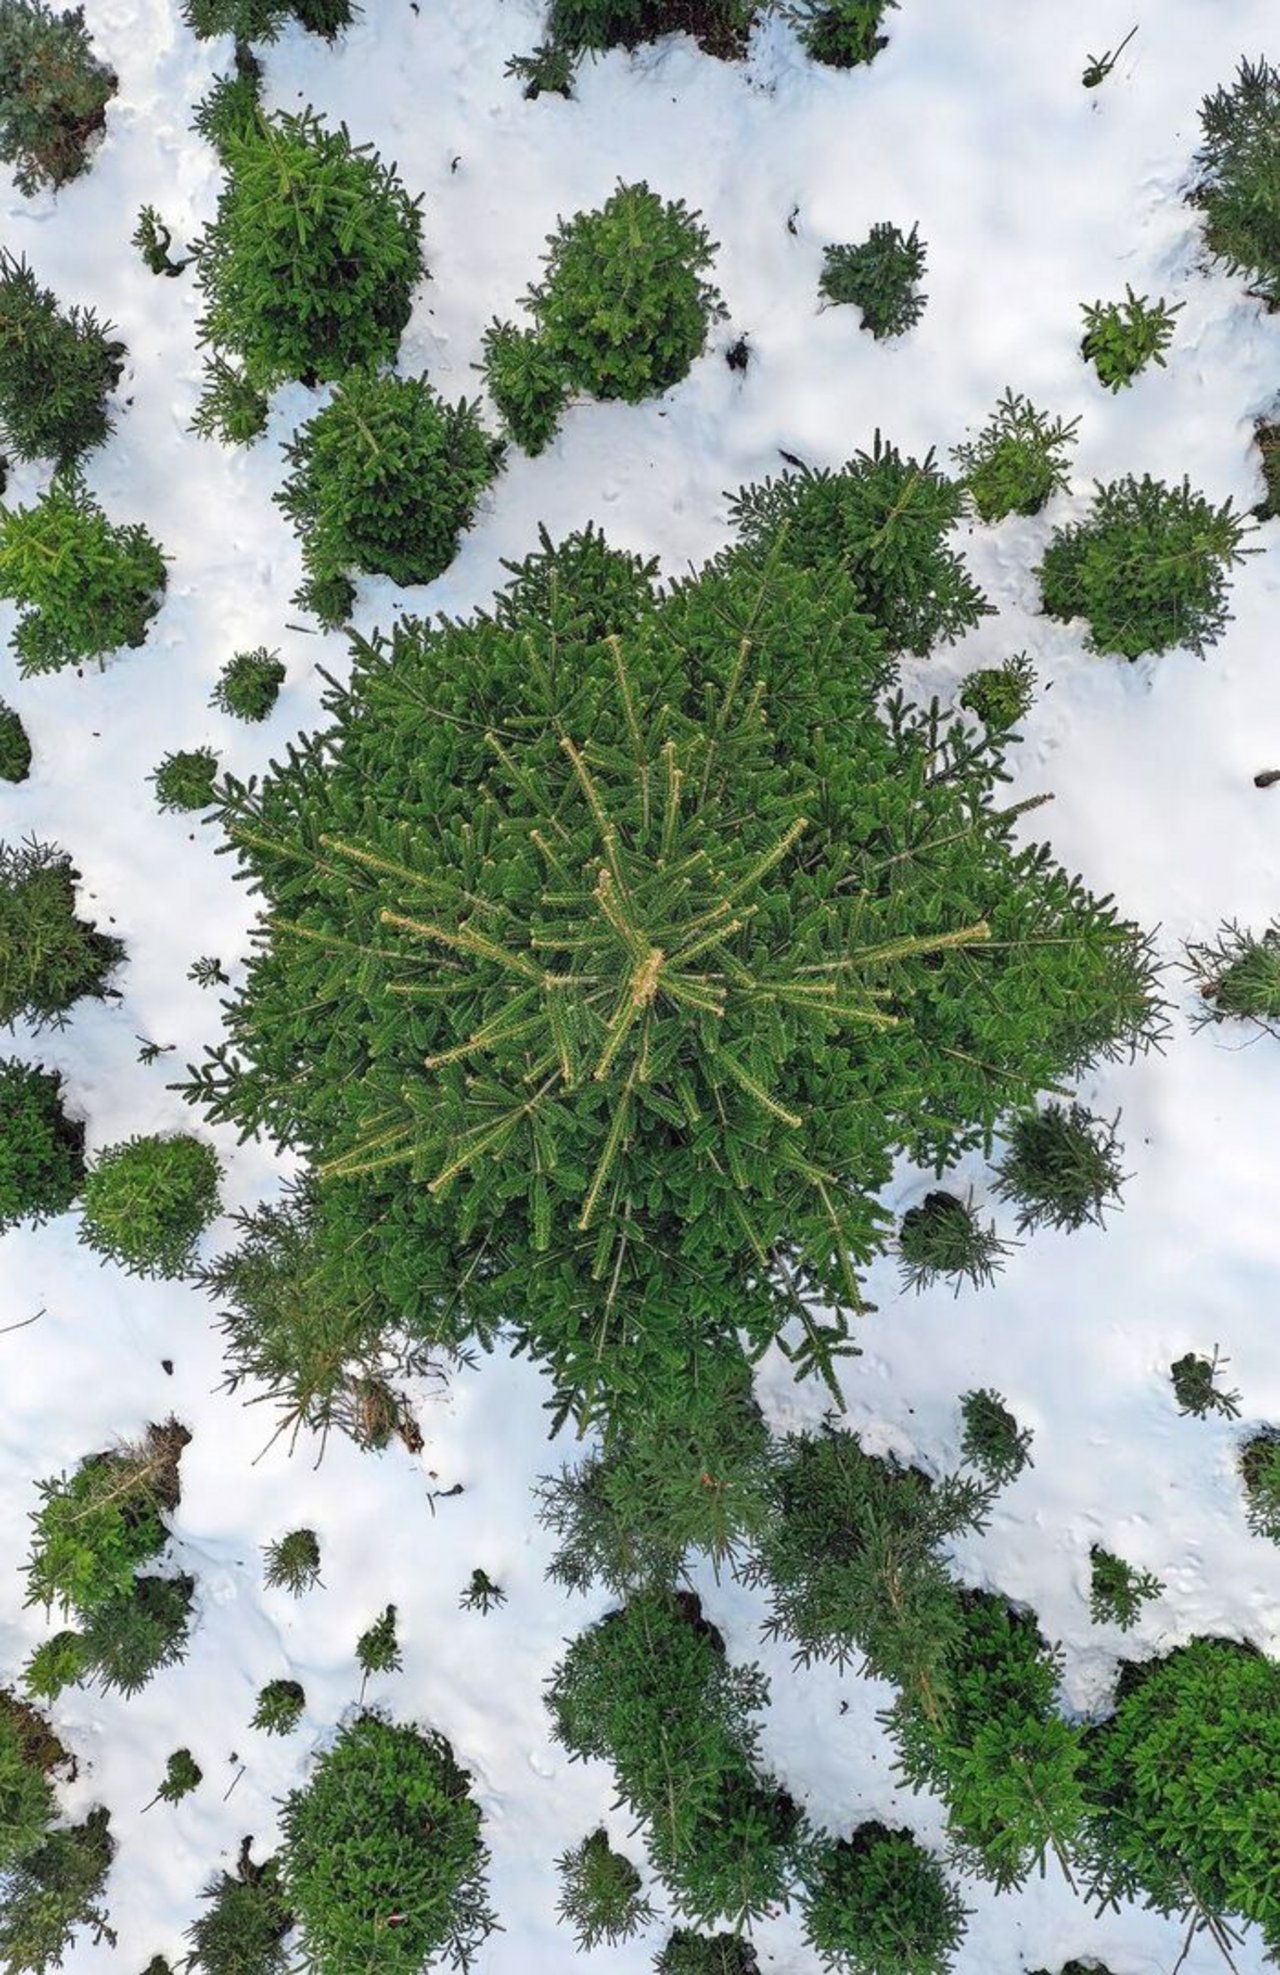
1033 196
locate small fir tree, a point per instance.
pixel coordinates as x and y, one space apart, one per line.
147 1201
56 1664
992 1440
243 1927
53 93
208 971
233 104
877 1903
1238 976
15 747
279 1707
377 1648
1196 1388
292 1562
944 1239
129 1639
95 1527
841 34
229 407
1018 460
1236 184
182 1774
420 1856
263 20
153 239
1001 696
48 957
1122 338
687 1953
481 1593
55 370
1117 1590
526 384
1266 434
83 586
1260 1472
27 1803
249 684
600 1893
41 1149
1147 568
184 780
308 266
386 479
1062 1167
49 1894
880 276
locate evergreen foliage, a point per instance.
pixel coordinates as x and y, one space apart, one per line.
129 1638
842 34
49 1894
1267 438
1260 1471
308 266
48 957
687 1953
292 1562
242 1929
578 27
264 20
853 1565
15 747
482 1594
1122 338
1117 1590
147 1201
386 479
1147 568
184 780
1018 460
1062 1167
998 1752
182 1774
55 370
96 1526
736 926
1238 976
1000 695
41 1149
249 684
879 275
877 1903
526 384
992 1440
419 1855
55 1664
27 1803
1238 187
229 407
83 586
1195 1733
648 1689
153 239
53 93
600 1897
377 1648
279 1707
1196 1388
944 1238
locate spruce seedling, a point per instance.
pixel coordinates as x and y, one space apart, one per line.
1238 976
41 1149
841 34
84 587
53 93
1117 1590
482 1594
687 1953
48 957
600 1893
879 275
182 1773
15 747
1018 460
877 1903
56 370
1062 1167
1195 1386
378 1649
279 1707
292 1562
1000 695
147 1201
1260 1472
185 779
1235 189
992 1440
153 239
944 1239
249 684
1122 338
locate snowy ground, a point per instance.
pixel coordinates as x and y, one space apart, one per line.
1033 196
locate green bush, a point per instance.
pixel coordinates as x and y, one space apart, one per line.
1117 1590
1122 338
578 27
15 748
148 1200
292 1562
1267 438
41 1150
1237 975
842 34
856 960
687 1953
880 276
95 1527
481 1593
877 1903
1260 1471
386 479
1184 1796
279 1707
1062 1167
1001 696
1236 188
53 93
83 586
184 780
992 1441
126 1641
182 1775
48 957
50 1893
1018 460
623 309
27 1803
377 1648
56 1664
853 1564
648 1689
55 370
242 1929
526 384
944 1239
1196 1388
232 106
308 266
263 20
418 1854
600 1894
249 684
229 407
1147 568
153 239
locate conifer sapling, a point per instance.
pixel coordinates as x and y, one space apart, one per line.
48 957
992 1440
377 1648
1237 975
56 369
877 1903
15 747
1260 1472
841 34
1018 460
279 1707
1118 1590
53 93
249 684
944 1239
481 1593
147 1201
1122 338
41 1149
1062 1167
1235 189
600 1893
1196 1389
292 1562
182 1774
880 276
84 587
1000 695
184 780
